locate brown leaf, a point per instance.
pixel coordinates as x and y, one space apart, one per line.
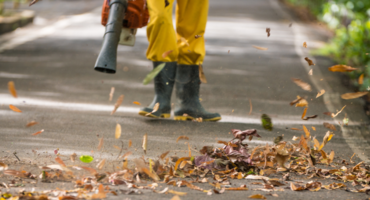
136 103
38 132
268 32
166 53
143 168
219 192
164 155
296 188
161 192
353 95
145 142
329 126
341 68
320 93
60 161
331 156
237 189
101 164
176 197
129 143
118 131
197 36
111 94
296 100
303 85
334 115
101 142
15 109
73 157
179 161
202 77
118 103
309 61
33 2
182 137
304 44
12 90
257 196
302 103
306 131
31 123
260 48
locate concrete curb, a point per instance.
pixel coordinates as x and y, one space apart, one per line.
8 24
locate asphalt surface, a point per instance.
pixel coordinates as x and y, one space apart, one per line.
51 63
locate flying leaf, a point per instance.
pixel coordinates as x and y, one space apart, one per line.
145 142
250 107
33 2
118 131
306 131
310 72
91 170
303 85
266 122
257 196
15 109
197 36
326 139
155 109
296 100
182 137
143 168
153 73
101 142
320 93
202 77
164 155
361 79
331 156
101 164
268 32
129 143
302 103
29 124
341 68
260 48
38 132
304 44
118 103
184 42
137 103
353 95
86 159
304 113
295 138
334 115
309 61
12 90
329 126
296 188
73 157
166 53
111 94
60 161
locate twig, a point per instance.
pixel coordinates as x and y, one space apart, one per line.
15 154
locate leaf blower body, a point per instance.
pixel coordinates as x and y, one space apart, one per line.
121 19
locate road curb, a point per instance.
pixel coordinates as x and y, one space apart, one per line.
8 24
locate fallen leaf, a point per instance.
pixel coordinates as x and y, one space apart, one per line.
15 109
320 93
137 103
237 189
331 156
361 79
268 32
100 145
111 94
86 159
353 95
161 192
334 115
179 161
143 168
341 68
165 54
296 129
60 161
257 196
164 155
309 61
145 142
296 188
118 103
153 73
3 166
202 77
182 137
38 132
303 85
118 131
260 48
304 44
31 123
310 72
101 164
12 90
329 126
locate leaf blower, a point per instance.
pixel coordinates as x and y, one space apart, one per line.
121 19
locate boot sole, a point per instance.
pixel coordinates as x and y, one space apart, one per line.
185 118
164 115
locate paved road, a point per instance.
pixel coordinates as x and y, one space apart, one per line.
52 63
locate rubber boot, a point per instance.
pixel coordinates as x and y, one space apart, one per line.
163 85
187 94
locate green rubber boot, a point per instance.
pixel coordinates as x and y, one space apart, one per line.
187 94
163 85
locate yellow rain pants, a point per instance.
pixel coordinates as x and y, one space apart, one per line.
187 43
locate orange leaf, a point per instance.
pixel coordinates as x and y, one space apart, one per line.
304 44
182 137
60 161
361 79
179 161
353 95
118 131
309 61
31 123
257 196
38 132
306 131
165 54
11 88
118 103
13 108
129 143
91 170
304 113
164 155
137 103
341 68
145 142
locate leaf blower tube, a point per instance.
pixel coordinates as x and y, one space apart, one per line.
107 58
